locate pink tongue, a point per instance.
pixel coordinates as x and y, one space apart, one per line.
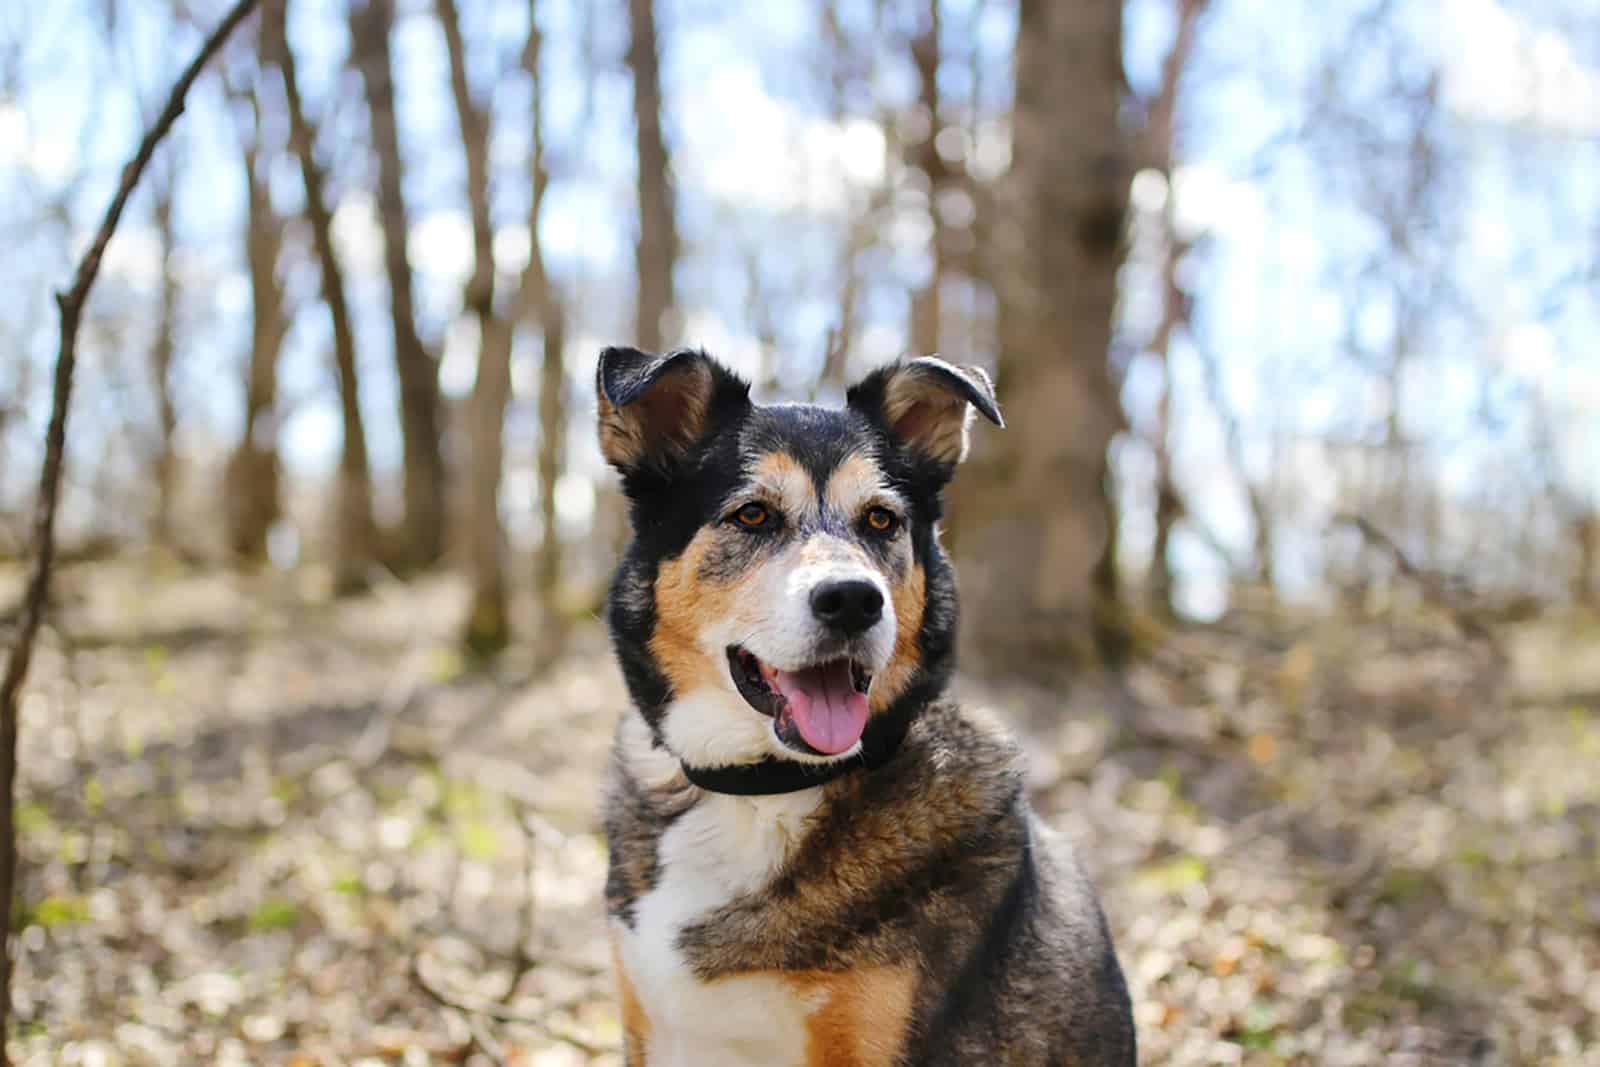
826 707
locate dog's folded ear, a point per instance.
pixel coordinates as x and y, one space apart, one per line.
655 408
926 405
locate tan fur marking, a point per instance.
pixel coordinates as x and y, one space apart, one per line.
861 1016
926 414
825 548
621 438
635 1026
782 477
684 604
854 484
672 412
910 600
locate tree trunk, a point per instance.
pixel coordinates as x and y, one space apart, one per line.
845 85
355 531
657 250
538 292
250 490
552 431
1586 579
1258 497
926 306
1035 522
13 406
1169 505
488 626
1168 502
1161 134
371 22
161 351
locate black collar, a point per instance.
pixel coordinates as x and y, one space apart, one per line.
772 776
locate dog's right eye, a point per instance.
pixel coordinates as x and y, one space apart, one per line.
753 516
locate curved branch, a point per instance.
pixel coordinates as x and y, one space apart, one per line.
477 1006
70 304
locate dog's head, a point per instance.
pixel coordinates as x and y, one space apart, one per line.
784 590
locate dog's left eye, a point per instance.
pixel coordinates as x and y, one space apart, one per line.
753 516
882 520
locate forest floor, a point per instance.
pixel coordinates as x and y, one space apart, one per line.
261 827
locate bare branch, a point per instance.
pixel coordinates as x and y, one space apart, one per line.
1433 586
70 304
1159 132
486 1042
476 1006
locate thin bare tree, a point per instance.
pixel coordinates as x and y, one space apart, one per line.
371 23
1161 138
251 493
538 294
922 154
1586 571
488 624
162 347
656 253
846 62
355 530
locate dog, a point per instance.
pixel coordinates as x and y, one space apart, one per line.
816 858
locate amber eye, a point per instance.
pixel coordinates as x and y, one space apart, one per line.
753 516
882 520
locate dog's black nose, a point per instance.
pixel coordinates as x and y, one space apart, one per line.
848 607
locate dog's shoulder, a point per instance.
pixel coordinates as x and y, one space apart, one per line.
1042 943
645 794
957 769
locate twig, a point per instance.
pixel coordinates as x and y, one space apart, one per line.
527 922
70 305
374 742
485 1040
470 1006
1433 587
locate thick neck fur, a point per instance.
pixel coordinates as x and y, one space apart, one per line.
824 859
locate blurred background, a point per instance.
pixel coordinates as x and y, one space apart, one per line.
1287 564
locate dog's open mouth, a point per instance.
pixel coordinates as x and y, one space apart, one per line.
820 709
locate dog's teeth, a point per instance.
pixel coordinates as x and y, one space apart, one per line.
860 677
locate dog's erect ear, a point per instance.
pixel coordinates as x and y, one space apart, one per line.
927 404
654 408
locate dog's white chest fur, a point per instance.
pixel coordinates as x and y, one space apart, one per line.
721 848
